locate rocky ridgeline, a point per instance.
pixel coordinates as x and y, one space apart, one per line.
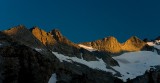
23 36
30 51
111 45
26 57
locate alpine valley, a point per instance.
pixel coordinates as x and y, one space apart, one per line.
36 56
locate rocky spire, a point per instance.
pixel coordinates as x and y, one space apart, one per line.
60 38
57 35
44 37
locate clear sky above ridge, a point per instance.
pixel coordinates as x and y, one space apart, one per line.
85 20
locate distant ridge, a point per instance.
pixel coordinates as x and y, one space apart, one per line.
111 44
38 37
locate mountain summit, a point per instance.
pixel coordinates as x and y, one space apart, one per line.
133 44
109 44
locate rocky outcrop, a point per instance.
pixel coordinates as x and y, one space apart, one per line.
133 44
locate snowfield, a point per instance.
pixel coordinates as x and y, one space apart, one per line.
134 64
53 79
87 48
151 43
157 46
154 44
100 64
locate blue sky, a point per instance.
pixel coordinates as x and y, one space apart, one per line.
85 20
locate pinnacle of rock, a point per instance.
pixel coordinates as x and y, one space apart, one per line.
44 37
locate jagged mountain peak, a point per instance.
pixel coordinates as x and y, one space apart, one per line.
109 38
23 35
133 44
43 36
16 30
57 35
34 27
109 44
134 38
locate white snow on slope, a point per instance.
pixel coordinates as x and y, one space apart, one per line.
157 41
134 64
157 46
100 64
38 49
53 79
87 48
151 43
154 44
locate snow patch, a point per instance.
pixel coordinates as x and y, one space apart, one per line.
53 78
100 64
134 64
151 43
38 49
87 48
157 41
154 44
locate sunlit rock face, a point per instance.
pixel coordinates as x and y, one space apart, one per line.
57 35
133 44
111 45
44 37
23 35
